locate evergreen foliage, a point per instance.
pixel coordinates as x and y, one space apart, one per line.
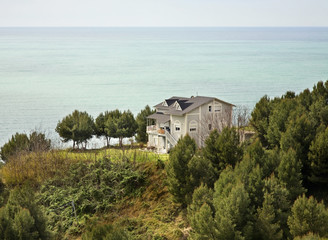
272 217
141 120
290 175
178 174
21 218
296 122
318 156
77 126
126 126
222 149
100 127
18 143
308 216
21 143
260 118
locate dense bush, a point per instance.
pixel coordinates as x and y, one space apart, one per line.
21 218
92 188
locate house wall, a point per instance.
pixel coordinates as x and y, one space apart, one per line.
218 120
182 131
202 117
193 117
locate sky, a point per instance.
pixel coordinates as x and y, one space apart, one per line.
160 13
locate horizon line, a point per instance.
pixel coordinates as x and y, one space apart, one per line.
164 26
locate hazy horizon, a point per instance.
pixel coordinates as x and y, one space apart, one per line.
163 13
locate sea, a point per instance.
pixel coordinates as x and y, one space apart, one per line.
47 73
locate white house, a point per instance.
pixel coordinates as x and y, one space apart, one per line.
177 116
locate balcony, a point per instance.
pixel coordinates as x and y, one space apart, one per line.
152 129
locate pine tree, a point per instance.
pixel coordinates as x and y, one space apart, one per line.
308 215
178 174
200 214
319 158
222 149
142 124
289 174
272 216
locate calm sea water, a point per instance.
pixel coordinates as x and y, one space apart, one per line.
46 73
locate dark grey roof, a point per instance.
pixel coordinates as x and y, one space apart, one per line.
186 104
160 117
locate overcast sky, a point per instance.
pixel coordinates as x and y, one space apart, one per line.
164 13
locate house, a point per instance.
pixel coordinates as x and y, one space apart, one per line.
177 116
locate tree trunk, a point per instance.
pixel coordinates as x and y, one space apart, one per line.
121 141
108 141
73 144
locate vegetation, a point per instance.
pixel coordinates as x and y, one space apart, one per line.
272 187
77 127
20 142
142 124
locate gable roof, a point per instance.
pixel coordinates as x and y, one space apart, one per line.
174 104
160 117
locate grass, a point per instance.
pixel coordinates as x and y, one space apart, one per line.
149 215
152 215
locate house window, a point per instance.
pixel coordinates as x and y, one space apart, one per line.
177 126
210 108
193 126
217 107
210 126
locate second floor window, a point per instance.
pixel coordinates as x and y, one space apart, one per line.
210 108
177 126
193 126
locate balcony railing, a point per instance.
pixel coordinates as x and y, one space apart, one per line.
153 129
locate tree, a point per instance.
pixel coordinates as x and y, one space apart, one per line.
318 157
21 143
308 215
222 149
38 142
233 216
77 126
278 121
178 175
21 217
142 124
126 126
201 171
260 118
18 143
103 121
289 174
272 217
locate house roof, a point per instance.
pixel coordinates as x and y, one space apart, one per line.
160 117
181 105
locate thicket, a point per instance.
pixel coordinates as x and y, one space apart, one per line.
88 189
